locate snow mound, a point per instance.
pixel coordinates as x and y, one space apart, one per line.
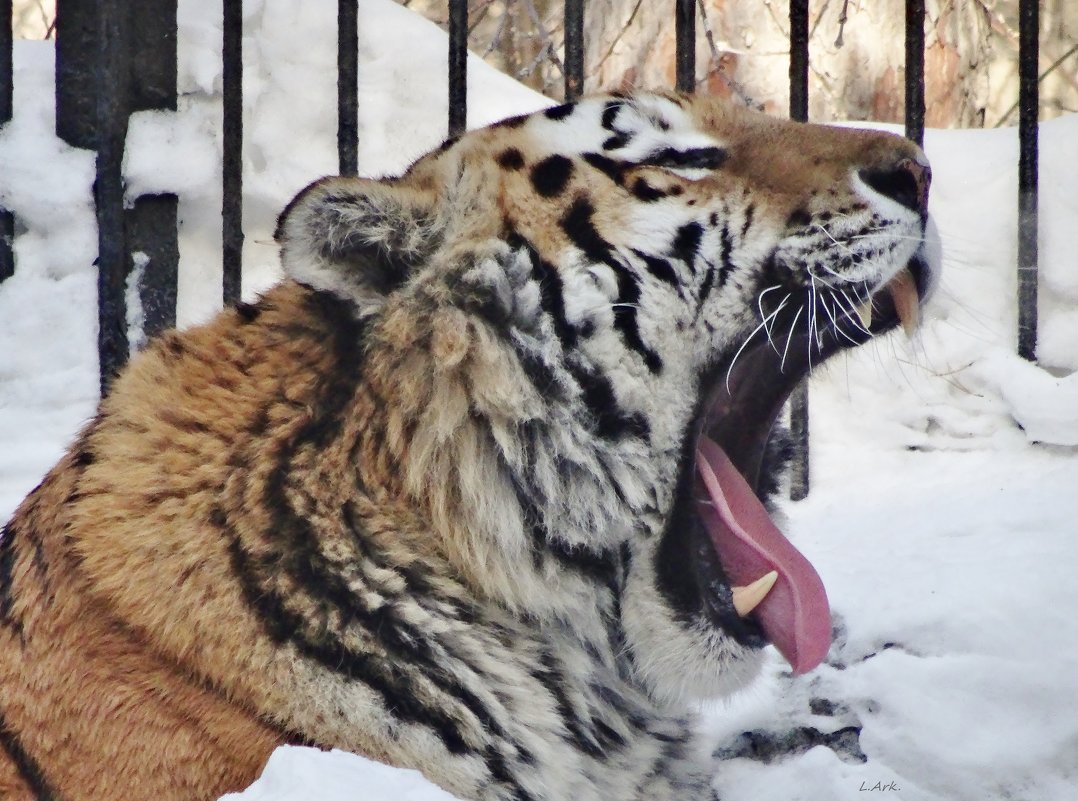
297 772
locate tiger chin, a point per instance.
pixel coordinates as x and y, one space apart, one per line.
481 488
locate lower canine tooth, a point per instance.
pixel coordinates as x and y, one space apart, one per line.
748 597
864 314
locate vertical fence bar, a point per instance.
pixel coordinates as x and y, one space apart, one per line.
111 119
1029 103
113 58
7 71
6 62
348 86
915 70
458 66
685 36
151 247
799 401
799 59
91 114
7 241
232 152
574 49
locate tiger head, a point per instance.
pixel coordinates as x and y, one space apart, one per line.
588 320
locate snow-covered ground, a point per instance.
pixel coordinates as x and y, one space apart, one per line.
944 509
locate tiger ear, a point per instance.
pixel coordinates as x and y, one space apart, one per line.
358 238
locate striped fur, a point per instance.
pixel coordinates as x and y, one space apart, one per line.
414 502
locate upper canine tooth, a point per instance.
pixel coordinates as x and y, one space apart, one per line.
748 597
903 289
864 313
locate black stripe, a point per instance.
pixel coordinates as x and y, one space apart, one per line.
580 228
247 312
324 587
600 567
548 674
27 766
799 218
511 159
625 317
532 520
396 688
552 301
7 578
707 158
83 456
305 563
631 713
686 244
610 738
483 301
617 141
539 373
611 421
345 336
747 224
551 291
726 246
644 191
512 122
559 112
610 113
385 678
316 575
417 585
444 146
551 175
658 267
705 290
614 170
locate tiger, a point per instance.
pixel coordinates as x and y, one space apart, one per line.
484 487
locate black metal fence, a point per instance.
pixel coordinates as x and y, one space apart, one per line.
7 220
113 59
116 57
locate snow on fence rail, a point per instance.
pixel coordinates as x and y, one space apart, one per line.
115 58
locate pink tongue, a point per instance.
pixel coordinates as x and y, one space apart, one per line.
795 615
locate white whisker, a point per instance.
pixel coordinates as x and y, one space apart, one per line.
789 338
748 339
760 306
819 278
827 233
815 320
853 318
834 320
887 236
833 272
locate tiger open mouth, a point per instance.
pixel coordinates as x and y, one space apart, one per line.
755 584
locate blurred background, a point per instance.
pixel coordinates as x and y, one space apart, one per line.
971 57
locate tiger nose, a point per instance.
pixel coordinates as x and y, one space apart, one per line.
905 182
